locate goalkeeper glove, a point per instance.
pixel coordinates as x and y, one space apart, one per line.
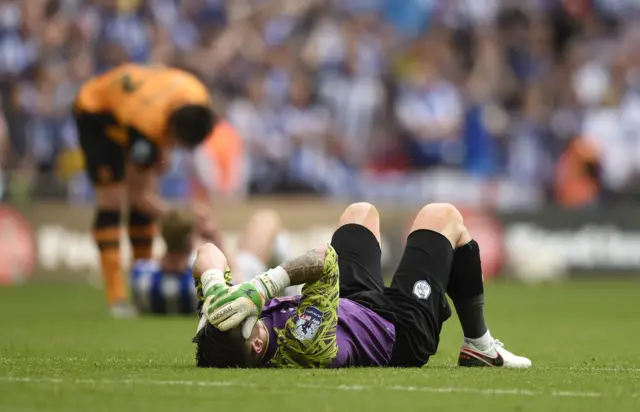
228 308
198 281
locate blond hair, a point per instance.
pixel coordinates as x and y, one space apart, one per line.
177 230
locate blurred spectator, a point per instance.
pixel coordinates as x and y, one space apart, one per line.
4 149
256 121
577 183
221 164
355 101
306 125
430 110
326 94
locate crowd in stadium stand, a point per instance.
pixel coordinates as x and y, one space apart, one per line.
338 97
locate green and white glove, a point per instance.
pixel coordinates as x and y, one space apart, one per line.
214 279
229 308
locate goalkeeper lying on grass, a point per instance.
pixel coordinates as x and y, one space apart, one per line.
346 316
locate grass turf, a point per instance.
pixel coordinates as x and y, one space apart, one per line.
60 352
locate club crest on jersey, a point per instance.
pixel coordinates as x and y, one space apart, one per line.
422 289
308 323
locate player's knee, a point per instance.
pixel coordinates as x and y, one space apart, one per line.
445 211
362 213
266 220
110 197
443 218
136 200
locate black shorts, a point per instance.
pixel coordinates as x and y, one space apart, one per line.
415 302
105 158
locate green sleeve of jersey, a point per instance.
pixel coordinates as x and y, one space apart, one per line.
308 339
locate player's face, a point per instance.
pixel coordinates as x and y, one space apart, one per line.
258 341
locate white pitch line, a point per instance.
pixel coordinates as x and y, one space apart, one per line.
539 367
597 369
347 388
570 394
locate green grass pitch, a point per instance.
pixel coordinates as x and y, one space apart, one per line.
60 352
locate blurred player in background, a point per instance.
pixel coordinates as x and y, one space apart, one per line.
166 286
346 316
128 121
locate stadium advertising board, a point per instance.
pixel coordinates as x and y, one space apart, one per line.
544 244
64 249
576 242
17 247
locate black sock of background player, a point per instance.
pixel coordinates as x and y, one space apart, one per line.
466 289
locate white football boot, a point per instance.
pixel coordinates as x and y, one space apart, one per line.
123 310
492 354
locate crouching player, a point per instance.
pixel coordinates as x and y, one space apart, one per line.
128 120
346 316
166 286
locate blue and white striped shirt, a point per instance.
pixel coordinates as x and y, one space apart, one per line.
160 292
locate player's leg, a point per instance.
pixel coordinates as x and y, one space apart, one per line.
106 232
258 246
105 166
256 243
357 243
417 291
466 290
142 227
166 286
416 299
142 231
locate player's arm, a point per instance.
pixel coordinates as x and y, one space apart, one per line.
209 231
307 268
228 309
242 304
211 263
309 338
208 258
145 162
143 191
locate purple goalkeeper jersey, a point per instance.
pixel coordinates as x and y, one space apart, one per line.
363 337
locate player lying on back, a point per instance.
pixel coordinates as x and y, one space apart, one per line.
346 316
128 120
166 286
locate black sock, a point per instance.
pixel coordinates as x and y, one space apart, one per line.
466 289
141 234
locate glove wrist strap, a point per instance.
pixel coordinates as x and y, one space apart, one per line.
210 278
273 282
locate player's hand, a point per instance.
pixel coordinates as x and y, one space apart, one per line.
211 281
164 161
198 281
229 308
